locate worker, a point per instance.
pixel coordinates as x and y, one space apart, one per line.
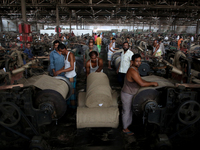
159 49
129 42
28 51
111 50
125 63
55 44
86 56
70 73
132 83
94 64
95 37
114 44
57 61
98 42
179 42
94 46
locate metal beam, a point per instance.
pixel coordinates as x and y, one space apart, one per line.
70 4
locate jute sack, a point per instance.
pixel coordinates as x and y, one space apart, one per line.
98 92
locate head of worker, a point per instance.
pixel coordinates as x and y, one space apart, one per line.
99 35
93 56
113 40
91 41
67 37
61 38
125 46
154 43
28 45
159 41
128 38
136 60
55 44
62 48
91 45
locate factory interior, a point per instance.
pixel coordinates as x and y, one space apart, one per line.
99 74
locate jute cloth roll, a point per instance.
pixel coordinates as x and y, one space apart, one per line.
47 82
98 90
82 97
97 117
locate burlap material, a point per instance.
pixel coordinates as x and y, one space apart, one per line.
162 82
47 82
98 90
82 96
176 61
97 117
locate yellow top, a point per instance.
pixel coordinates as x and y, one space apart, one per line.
98 41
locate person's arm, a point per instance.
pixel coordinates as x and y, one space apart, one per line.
100 62
52 66
71 65
88 67
136 77
157 47
111 48
118 69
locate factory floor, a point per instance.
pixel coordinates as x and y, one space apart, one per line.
63 134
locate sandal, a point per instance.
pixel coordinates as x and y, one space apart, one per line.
128 133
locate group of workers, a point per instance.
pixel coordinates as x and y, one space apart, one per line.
62 63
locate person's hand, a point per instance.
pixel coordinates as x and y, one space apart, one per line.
58 72
155 84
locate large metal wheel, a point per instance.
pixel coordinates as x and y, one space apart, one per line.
52 97
144 69
9 114
189 112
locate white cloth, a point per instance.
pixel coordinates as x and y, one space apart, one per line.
112 48
178 37
95 68
125 61
72 73
192 39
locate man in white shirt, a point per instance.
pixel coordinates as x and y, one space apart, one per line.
111 50
126 57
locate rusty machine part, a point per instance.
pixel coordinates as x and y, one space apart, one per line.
173 109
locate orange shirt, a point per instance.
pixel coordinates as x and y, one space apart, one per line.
179 42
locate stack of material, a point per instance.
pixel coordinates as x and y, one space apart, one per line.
97 107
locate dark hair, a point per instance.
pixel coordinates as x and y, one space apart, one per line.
85 37
125 42
98 35
113 39
28 43
61 46
159 40
135 56
56 41
128 37
92 41
93 53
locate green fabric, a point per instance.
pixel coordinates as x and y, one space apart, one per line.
99 48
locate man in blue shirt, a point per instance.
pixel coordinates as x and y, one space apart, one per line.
28 51
57 60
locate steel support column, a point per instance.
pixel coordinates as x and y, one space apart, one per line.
23 8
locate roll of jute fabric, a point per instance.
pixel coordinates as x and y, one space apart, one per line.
98 93
97 117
